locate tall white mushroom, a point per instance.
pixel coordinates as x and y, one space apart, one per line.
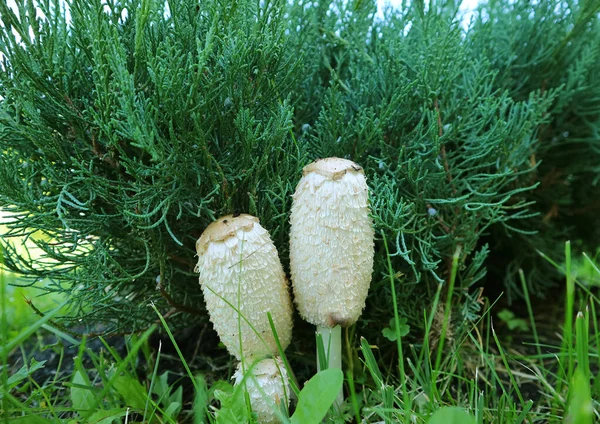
268 387
240 271
331 248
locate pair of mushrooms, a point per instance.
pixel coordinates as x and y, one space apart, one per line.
331 262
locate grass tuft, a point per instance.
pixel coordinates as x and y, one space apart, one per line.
491 372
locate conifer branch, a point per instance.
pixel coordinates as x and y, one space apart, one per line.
120 158
178 306
443 148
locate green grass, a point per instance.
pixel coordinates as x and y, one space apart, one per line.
543 370
17 297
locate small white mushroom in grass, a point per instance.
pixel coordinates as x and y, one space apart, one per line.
240 271
331 249
268 387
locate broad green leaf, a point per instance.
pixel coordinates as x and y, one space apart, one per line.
166 397
173 410
512 321
107 417
22 374
580 409
131 391
390 332
317 396
161 385
220 386
451 415
31 419
233 406
176 396
82 396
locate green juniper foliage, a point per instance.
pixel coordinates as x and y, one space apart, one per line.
127 126
550 46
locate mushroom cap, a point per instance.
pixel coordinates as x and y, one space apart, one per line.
239 269
332 168
271 376
331 243
223 228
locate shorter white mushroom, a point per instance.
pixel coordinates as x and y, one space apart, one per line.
240 271
268 386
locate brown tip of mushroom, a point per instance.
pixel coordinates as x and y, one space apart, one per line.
332 168
337 319
223 228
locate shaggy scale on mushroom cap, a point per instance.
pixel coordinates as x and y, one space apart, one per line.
238 263
331 243
272 377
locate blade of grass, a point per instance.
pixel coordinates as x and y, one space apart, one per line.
581 340
530 312
371 362
550 260
387 392
425 354
183 361
524 412
405 396
580 409
321 356
350 376
4 333
25 334
447 308
489 365
567 344
596 335
592 264
479 407
49 405
121 367
290 372
508 369
293 380
353 399
61 334
201 400
153 379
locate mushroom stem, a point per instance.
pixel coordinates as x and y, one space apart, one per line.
332 346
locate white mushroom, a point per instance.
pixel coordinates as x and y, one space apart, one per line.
268 386
331 248
240 271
